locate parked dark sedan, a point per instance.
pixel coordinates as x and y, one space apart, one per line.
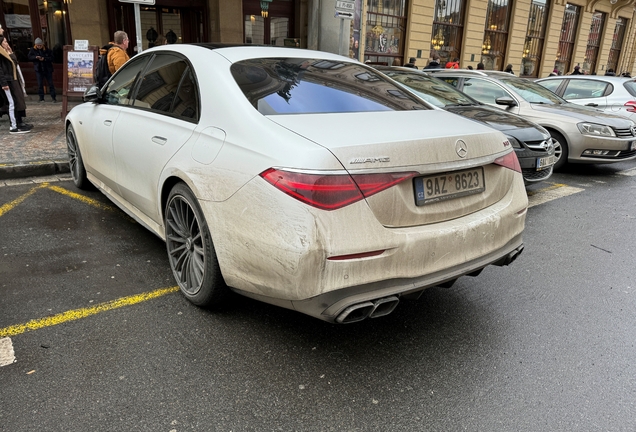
532 143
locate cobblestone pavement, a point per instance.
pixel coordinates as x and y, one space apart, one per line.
40 152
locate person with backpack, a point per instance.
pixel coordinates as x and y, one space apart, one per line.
112 56
42 59
117 55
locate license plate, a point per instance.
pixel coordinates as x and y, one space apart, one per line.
632 146
442 187
545 162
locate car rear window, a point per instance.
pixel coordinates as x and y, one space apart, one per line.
302 85
630 86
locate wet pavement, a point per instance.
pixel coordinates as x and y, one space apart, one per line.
40 152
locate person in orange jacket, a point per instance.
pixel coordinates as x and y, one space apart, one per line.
117 55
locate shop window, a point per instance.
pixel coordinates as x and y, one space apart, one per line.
493 48
448 28
617 44
18 27
566 40
535 35
594 42
386 25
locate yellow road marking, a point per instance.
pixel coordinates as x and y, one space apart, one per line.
82 198
9 206
76 314
557 190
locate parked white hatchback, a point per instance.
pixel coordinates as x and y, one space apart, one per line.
299 178
612 94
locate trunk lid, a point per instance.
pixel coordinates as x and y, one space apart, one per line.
425 142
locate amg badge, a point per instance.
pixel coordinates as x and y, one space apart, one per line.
363 160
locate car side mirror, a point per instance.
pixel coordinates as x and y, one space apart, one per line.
92 94
506 100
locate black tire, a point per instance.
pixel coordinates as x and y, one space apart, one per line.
560 150
76 164
190 250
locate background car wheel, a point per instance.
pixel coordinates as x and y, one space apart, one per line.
190 250
78 172
560 150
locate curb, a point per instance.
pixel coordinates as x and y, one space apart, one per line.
33 169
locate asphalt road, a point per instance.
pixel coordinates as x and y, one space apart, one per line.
547 344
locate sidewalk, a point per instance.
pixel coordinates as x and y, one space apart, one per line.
40 152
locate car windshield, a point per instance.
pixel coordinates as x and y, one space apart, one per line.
532 92
432 90
301 86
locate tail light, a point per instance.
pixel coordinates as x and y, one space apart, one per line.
331 191
631 106
509 161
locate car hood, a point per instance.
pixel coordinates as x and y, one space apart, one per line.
394 139
502 121
583 113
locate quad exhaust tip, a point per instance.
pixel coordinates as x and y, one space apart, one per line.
369 309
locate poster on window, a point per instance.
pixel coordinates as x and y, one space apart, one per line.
79 70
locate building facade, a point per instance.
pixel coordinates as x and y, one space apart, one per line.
534 36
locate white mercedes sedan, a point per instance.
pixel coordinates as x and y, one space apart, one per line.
300 178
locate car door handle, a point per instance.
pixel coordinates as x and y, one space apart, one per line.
108 122
159 140
591 104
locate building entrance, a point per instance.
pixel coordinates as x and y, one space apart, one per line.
271 26
179 21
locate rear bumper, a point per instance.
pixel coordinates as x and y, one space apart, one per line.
278 250
356 303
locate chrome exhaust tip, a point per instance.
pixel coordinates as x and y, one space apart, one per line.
355 313
384 306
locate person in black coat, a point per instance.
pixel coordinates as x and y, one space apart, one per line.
42 59
12 95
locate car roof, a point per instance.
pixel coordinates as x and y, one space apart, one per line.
238 52
612 79
469 72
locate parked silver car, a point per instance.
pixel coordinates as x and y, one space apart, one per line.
533 145
612 94
584 134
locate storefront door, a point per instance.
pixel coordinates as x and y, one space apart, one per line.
179 21
269 27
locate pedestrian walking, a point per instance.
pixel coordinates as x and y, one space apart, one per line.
12 94
42 59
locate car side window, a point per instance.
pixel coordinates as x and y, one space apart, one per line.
452 81
584 89
121 85
168 87
186 104
551 85
484 91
